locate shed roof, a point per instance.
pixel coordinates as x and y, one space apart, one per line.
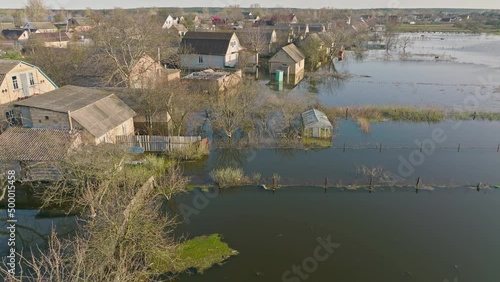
40 25
293 52
96 110
12 34
51 36
35 144
315 119
209 43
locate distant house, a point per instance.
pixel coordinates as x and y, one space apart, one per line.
180 29
52 39
216 20
7 26
171 21
20 80
264 39
99 115
34 153
15 34
202 50
40 27
81 24
148 72
316 124
289 59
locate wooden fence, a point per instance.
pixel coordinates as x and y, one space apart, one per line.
152 143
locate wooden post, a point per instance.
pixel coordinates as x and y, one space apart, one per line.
421 146
458 150
380 148
274 182
344 147
326 182
371 182
478 186
346 112
498 148
418 183
474 116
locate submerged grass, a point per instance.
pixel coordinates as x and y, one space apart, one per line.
229 177
188 153
364 124
402 113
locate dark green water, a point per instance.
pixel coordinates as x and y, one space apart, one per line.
390 235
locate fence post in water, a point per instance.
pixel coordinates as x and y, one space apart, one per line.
498 148
421 146
474 116
458 150
478 186
346 112
380 148
417 185
371 182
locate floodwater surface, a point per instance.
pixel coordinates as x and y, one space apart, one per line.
390 235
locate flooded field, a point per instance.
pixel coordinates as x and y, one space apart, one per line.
443 235
477 160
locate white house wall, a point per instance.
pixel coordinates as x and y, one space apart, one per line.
192 61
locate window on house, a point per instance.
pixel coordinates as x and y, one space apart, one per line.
200 59
32 79
14 82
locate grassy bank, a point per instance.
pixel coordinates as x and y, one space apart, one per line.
199 253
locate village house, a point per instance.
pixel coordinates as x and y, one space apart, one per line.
281 19
34 153
179 29
51 39
20 80
147 72
217 20
40 27
171 21
264 39
202 50
288 59
16 34
211 81
80 24
99 115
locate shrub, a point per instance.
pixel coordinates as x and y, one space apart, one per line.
229 177
187 153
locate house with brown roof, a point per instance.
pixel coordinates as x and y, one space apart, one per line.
288 59
147 72
203 50
40 27
34 153
80 24
20 80
52 39
99 115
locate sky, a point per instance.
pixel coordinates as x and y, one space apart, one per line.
355 4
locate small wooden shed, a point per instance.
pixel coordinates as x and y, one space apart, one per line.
316 124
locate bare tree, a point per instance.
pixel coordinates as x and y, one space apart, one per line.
36 10
390 39
405 42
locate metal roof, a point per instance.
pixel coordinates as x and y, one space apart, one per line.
96 110
207 43
293 52
35 144
315 119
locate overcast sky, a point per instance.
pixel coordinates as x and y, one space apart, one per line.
102 4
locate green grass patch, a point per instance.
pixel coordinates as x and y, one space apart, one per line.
311 142
12 55
203 252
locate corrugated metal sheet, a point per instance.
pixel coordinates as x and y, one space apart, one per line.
315 119
104 115
294 52
64 99
35 144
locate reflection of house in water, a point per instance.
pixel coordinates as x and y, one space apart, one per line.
213 81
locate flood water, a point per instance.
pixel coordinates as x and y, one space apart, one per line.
390 235
441 163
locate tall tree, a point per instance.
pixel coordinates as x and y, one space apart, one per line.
36 11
